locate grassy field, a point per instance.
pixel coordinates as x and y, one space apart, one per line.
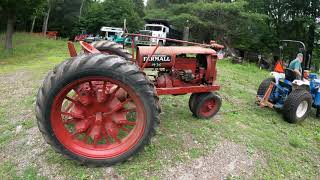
279 150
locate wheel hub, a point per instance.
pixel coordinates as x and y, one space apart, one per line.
302 109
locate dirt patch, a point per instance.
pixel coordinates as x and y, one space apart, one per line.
14 88
28 148
227 160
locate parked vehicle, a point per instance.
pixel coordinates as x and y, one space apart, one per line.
112 34
158 28
100 108
292 96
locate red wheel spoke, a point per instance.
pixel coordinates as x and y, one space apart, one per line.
113 94
95 142
116 138
125 122
90 85
82 125
120 105
85 138
113 131
72 115
116 90
95 133
104 86
105 135
74 135
125 129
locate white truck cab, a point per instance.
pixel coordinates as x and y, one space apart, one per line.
157 30
111 33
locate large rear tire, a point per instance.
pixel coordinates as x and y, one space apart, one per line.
97 109
110 47
297 106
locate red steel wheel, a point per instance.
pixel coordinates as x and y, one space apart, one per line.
98 124
207 105
97 109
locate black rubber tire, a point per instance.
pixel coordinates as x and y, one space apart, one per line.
192 99
200 100
263 87
291 105
96 65
112 47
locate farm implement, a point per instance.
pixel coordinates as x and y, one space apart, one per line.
293 96
100 107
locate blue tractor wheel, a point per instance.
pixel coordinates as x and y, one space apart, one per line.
297 106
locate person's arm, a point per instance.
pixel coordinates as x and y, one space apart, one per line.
297 72
297 69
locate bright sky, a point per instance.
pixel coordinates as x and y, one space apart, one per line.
145 2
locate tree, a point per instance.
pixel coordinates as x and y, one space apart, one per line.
291 19
10 9
111 13
46 17
36 13
221 21
139 7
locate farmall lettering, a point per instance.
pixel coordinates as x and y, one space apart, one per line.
157 59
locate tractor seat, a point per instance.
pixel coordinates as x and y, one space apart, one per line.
290 75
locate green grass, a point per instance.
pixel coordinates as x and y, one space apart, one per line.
286 151
8 171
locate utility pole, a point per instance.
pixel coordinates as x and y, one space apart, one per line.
186 32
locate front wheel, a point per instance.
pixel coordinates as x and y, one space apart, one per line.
263 87
206 105
97 109
297 106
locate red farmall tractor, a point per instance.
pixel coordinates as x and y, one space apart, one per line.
100 107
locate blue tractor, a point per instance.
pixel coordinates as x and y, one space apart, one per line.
293 96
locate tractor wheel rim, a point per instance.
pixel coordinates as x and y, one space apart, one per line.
98 117
208 108
302 109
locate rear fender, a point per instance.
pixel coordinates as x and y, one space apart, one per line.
301 84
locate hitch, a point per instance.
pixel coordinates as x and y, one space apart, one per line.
264 101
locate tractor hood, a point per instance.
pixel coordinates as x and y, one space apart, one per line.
175 50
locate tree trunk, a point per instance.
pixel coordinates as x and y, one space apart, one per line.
33 22
310 46
10 29
45 21
81 8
